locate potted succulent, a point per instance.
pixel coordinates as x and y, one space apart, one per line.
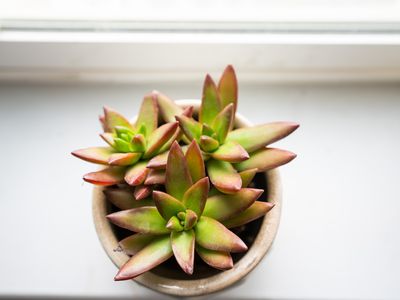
190 204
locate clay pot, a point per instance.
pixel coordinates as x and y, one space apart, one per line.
170 280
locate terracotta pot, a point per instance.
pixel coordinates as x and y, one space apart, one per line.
219 280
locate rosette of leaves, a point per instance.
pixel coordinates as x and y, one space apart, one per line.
227 151
186 220
130 147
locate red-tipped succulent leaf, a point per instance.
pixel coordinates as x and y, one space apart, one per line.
178 179
211 234
266 159
224 177
143 220
183 244
155 253
257 137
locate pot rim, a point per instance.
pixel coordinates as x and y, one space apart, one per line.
214 283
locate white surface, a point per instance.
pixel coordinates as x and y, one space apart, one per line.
339 236
147 56
197 10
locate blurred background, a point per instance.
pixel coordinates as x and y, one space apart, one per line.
333 66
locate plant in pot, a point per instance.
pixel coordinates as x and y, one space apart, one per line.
191 204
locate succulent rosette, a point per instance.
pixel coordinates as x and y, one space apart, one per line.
186 220
130 147
228 152
192 173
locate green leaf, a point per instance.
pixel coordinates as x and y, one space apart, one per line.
228 87
208 144
155 177
124 199
122 145
223 122
159 137
106 177
174 224
210 103
257 137
190 219
136 242
142 191
97 155
195 162
247 176
183 247
196 196
124 159
207 130
168 108
143 219
216 259
212 235
266 159
136 174
155 253
230 152
223 176
113 118
167 205
148 114
222 207
190 127
138 143
257 210
178 179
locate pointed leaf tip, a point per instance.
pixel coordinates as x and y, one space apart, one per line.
106 177
256 137
143 220
210 102
196 196
155 253
136 242
148 114
231 152
123 199
266 159
216 259
168 108
256 210
223 122
228 87
224 177
124 159
212 235
183 244
222 207
98 155
159 137
113 118
178 179
136 174
190 127
195 161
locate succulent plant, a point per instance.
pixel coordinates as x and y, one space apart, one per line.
193 175
130 147
185 220
227 152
